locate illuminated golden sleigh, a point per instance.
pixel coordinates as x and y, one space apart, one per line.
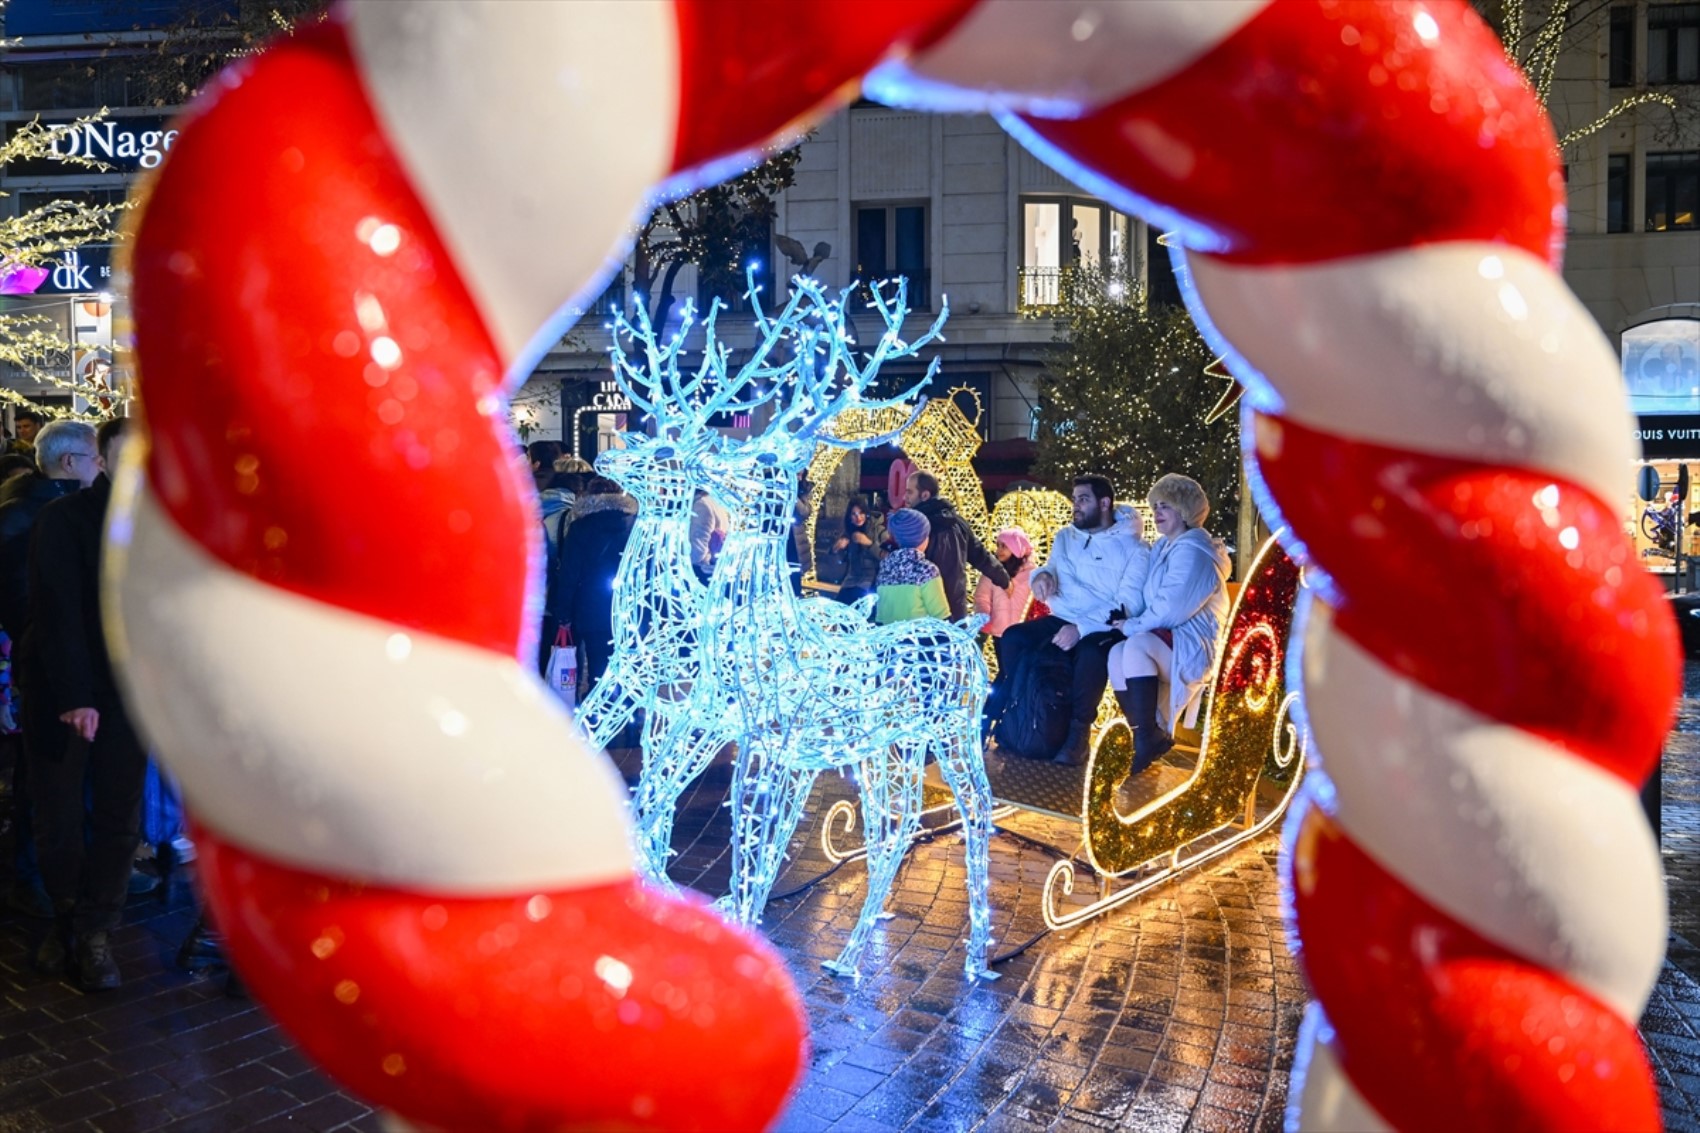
1226 781
1223 784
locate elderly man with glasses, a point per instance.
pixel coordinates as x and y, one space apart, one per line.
86 764
66 457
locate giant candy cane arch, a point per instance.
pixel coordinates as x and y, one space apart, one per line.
362 231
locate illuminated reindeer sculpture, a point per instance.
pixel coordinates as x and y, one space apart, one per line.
658 599
813 686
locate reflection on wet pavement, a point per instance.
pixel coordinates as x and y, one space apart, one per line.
1176 1012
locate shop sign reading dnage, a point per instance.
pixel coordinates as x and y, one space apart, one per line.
127 144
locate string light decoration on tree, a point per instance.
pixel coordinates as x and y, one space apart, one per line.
655 667
29 244
1536 55
811 686
1125 398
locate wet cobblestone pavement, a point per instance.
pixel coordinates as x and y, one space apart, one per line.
1177 1012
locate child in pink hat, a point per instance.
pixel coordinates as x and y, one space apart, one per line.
1003 607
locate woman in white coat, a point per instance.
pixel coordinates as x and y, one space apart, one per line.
1174 639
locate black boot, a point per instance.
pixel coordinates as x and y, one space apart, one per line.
1150 743
55 948
1077 746
1124 701
96 969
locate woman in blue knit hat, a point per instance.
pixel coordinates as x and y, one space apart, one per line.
909 585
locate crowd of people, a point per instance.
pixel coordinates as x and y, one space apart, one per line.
1106 609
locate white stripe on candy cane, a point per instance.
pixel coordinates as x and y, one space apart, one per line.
1059 58
534 171
334 742
1477 351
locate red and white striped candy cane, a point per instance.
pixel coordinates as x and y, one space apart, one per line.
361 232
1372 207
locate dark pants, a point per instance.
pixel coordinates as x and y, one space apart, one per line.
1090 660
598 651
24 871
546 643
87 872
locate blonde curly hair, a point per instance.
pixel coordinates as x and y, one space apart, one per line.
1185 495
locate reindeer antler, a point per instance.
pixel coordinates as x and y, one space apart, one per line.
841 382
659 360
686 404
819 373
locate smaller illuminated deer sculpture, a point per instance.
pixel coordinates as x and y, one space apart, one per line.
655 666
812 686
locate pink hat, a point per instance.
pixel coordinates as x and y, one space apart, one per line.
1017 541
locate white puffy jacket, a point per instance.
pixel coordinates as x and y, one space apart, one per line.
1186 592
1098 572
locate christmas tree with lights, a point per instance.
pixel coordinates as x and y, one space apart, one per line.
1127 396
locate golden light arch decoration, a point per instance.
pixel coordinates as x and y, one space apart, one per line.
1039 513
941 440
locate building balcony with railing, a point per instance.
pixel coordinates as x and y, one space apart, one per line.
1043 289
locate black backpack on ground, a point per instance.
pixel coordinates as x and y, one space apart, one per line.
1035 721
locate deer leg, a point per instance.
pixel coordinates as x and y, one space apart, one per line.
676 750
607 710
965 771
891 815
767 803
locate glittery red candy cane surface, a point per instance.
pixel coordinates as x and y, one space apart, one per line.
583 1009
324 415
1462 577
1446 1029
1321 130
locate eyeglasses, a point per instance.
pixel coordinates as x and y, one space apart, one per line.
85 455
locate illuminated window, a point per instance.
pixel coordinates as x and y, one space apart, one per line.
1060 233
1673 191
1673 43
891 241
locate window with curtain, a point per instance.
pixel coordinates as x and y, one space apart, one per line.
1673 43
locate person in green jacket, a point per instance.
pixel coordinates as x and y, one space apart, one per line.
909 585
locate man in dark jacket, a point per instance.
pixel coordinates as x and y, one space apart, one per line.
589 560
67 460
86 765
952 546
28 423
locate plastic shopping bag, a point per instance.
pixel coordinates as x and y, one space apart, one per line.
162 808
562 673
